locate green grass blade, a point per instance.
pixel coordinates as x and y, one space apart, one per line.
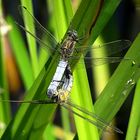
135 112
81 96
68 10
106 13
135 115
28 22
100 73
21 55
119 85
59 19
48 135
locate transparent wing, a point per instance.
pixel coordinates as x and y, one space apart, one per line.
89 61
50 42
111 48
94 119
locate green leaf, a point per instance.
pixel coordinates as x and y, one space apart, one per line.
31 41
82 97
21 55
119 85
135 112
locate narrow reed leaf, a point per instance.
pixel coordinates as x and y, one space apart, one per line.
21 55
120 84
28 22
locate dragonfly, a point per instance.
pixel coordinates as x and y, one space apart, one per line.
62 81
67 49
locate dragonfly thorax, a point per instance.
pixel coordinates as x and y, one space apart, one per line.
68 45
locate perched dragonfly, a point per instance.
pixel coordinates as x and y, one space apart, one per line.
61 84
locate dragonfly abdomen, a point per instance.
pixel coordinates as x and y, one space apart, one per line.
57 79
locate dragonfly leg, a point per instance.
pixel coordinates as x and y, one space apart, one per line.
60 81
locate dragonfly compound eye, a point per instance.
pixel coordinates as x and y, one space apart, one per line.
73 34
51 93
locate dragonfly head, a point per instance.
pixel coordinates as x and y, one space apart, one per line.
63 95
73 34
60 97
